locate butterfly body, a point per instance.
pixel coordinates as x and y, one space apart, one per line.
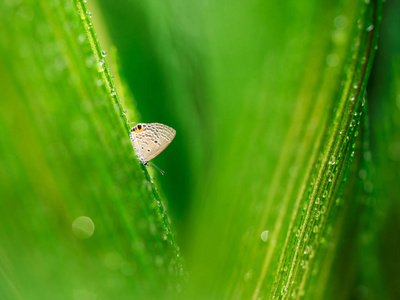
150 139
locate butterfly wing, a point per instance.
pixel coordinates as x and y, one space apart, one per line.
151 140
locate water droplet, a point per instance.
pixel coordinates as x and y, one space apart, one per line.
362 292
367 155
355 87
317 201
113 261
370 28
81 38
359 26
248 275
325 194
264 236
368 187
332 60
83 227
363 60
113 93
103 53
338 36
305 264
352 98
284 291
90 61
362 173
101 63
341 22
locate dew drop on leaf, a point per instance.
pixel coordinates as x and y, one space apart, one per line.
264 236
83 227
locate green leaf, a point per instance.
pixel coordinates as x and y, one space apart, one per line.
79 217
281 181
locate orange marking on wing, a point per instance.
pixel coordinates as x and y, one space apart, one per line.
138 130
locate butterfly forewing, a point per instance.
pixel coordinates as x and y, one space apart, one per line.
150 139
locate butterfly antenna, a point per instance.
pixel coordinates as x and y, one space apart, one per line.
158 169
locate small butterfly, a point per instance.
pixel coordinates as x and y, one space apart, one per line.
149 140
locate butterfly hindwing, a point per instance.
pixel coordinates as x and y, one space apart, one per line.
150 139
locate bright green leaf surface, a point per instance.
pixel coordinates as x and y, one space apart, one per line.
79 218
280 181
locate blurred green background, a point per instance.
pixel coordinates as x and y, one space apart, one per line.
257 91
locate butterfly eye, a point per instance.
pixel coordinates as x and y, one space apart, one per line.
139 126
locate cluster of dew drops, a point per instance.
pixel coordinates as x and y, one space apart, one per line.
320 208
332 60
90 63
